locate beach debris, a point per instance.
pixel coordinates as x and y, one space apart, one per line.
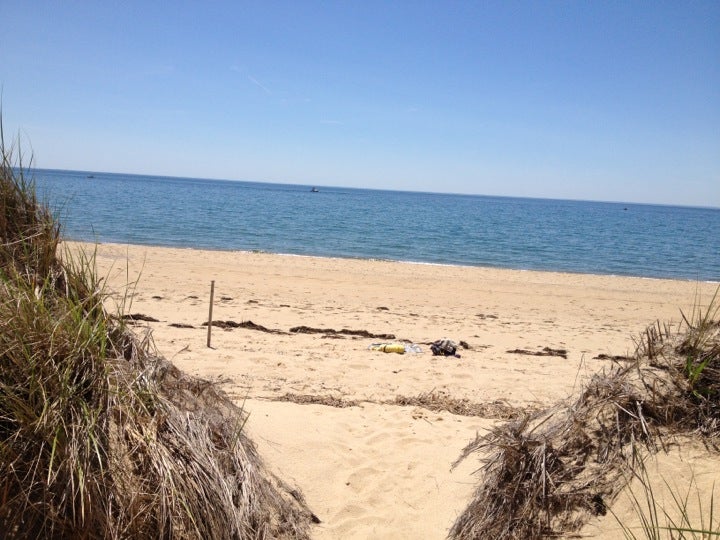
248 325
181 325
343 332
395 347
444 347
134 317
388 347
546 351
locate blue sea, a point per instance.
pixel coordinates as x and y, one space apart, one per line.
504 232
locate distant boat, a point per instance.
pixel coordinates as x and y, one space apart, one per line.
314 190
91 176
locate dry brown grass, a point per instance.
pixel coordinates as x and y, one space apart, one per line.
308 399
100 437
439 401
546 473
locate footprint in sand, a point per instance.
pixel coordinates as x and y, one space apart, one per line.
358 366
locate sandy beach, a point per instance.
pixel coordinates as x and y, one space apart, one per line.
326 411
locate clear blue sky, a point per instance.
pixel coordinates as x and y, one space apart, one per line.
582 100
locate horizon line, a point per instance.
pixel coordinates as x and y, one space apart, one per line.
464 194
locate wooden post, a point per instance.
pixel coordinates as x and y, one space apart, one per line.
212 294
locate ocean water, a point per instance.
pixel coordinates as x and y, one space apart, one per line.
535 234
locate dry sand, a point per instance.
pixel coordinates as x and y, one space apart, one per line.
377 469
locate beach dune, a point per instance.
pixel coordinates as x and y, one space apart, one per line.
360 432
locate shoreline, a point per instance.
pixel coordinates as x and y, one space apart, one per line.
374 259
347 425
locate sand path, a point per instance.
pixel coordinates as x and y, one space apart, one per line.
377 469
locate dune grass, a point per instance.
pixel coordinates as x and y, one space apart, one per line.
101 437
689 514
699 346
545 474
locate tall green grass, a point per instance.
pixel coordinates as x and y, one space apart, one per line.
54 336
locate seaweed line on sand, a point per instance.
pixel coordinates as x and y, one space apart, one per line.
308 399
433 401
343 332
439 401
546 351
248 325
